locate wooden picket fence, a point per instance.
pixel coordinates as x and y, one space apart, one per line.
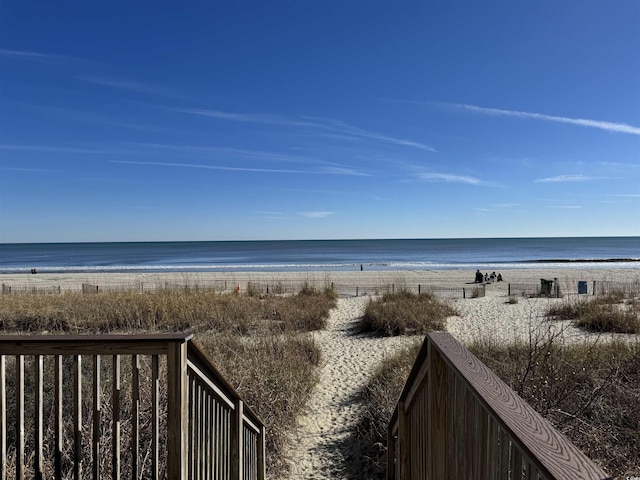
142 406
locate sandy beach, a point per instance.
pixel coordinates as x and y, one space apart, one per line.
365 279
322 446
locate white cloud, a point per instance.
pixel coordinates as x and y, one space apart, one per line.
24 54
446 177
237 152
26 170
583 122
49 149
209 167
122 84
565 178
570 207
337 170
326 124
317 214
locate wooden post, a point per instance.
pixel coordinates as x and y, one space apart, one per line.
97 414
356 291
177 413
20 417
155 412
594 288
418 289
509 289
135 414
38 462
77 416
236 441
391 454
3 418
437 423
404 443
261 454
115 427
464 293
57 456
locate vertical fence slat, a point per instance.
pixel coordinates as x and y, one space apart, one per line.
436 420
177 411
135 413
3 418
20 417
236 441
516 463
209 434
155 412
262 454
59 435
38 447
97 416
115 431
191 399
505 453
77 415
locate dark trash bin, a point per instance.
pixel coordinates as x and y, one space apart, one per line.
546 286
582 287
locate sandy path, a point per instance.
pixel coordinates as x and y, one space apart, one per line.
323 448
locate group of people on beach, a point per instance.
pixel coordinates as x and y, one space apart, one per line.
486 278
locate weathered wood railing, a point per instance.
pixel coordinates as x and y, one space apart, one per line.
456 419
165 413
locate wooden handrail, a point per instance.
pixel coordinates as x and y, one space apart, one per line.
456 419
206 419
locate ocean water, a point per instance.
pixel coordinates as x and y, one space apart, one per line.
311 255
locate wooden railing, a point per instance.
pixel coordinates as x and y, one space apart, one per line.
456 419
166 413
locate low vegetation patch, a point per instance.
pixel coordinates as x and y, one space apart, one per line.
405 313
608 313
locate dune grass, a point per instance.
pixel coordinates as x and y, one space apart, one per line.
164 310
248 338
608 313
404 313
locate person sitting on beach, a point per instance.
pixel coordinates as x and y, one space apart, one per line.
492 277
499 277
486 277
478 276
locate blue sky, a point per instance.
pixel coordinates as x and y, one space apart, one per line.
140 121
